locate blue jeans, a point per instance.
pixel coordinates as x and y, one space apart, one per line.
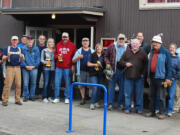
32 76
118 78
171 93
48 81
96 91
1 82
58 77
40 70
137 85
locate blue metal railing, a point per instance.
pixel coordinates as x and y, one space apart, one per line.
71 102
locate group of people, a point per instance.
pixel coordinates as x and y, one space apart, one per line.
128 65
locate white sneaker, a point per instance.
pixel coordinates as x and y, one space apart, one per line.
50 99
45 100
157 111
97 105
132 104
56 101
92 107
169 114
66 101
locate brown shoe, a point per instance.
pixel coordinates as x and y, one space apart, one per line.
18 103
4 103
162 116
150 114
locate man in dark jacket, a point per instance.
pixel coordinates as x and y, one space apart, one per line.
135 62
144 46
112 57
159 71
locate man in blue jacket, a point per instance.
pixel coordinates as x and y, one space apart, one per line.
159 71
30 69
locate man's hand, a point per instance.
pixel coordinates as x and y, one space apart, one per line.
1 61
28 68
96 65
4 58
9 54
108 66
48 62
128 64
73 69
80 56
22 57
148 80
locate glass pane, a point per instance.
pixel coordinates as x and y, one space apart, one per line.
6 3
156 1
45 33
39 32
173 0
32 33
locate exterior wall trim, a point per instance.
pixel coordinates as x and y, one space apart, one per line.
144 5
56 12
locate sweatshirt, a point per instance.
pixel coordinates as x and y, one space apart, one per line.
67 51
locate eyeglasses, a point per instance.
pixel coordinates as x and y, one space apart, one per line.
121 38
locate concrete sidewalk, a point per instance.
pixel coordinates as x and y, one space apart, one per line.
37 118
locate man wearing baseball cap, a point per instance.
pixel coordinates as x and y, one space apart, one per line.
24 41
112 58
159 71
81 58
63 54
13 56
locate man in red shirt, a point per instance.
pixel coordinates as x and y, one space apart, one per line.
63 54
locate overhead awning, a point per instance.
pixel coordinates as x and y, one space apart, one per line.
62 10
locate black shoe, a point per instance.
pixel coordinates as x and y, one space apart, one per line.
18 103
32 99
4 104
25 99
82 102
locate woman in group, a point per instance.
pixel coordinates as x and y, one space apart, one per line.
175 77
29 69
47 58
96 66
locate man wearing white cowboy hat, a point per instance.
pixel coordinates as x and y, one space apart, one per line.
159 71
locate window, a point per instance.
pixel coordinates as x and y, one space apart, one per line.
162 1
159 4
37 31
6 3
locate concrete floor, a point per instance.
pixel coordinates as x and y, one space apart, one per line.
37 118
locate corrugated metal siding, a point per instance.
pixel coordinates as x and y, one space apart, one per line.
124 16
9 26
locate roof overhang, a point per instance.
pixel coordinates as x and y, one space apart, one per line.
64 10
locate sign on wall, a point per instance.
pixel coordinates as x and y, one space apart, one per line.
107 41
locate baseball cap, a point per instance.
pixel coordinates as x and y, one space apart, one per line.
85 39
65 34
14 38
121 36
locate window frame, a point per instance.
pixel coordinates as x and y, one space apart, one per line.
144 5
0 3
107 38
